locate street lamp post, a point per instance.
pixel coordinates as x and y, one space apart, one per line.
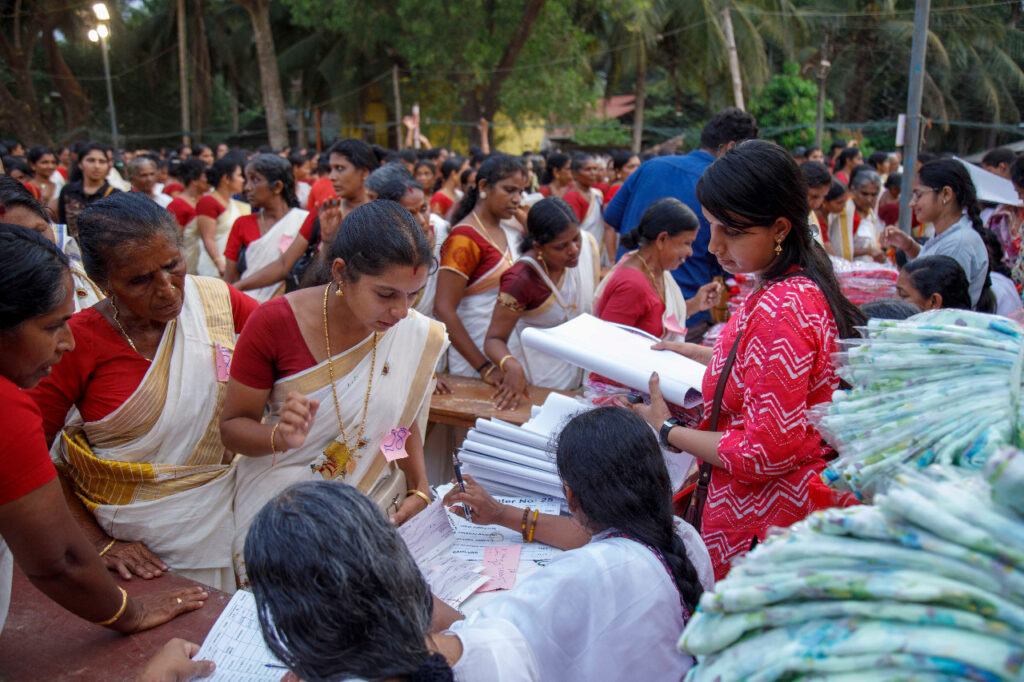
100 35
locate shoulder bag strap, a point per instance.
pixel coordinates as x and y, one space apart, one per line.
700 494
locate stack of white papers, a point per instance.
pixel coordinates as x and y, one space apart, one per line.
520 460
235 644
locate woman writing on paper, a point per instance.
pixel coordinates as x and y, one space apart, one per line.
36 529
206 237
263 236
639 291
764 455
478 251
143 455
552 282
346 369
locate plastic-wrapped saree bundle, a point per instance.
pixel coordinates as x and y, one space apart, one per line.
942 387
924 585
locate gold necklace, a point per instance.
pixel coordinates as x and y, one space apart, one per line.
338 453
124 333
552 280
651 277
483 232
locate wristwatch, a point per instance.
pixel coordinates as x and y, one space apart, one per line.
669 424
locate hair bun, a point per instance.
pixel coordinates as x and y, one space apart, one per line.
434 669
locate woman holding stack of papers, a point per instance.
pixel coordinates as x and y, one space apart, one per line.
553 282
761 457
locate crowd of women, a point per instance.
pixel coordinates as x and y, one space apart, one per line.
193 366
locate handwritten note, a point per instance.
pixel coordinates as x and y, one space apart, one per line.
672 325
285 241
501 565
236 645
393 445
223 359
429 537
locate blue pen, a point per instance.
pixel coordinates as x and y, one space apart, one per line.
462 484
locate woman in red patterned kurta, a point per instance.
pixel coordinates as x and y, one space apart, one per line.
766 455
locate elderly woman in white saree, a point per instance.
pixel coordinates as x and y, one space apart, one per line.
553 282
346 369
261 237
141 453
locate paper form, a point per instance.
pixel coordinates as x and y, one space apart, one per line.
501 563
472 540
429 537
235 644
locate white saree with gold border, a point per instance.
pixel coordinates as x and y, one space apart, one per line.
197 260
152 471
403 381
267 249
572 296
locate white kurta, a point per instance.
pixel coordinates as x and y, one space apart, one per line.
606 611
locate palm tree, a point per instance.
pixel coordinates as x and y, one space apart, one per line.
270 78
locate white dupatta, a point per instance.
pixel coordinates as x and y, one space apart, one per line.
152 470
267 249
574 297
402 384
593 221
675 304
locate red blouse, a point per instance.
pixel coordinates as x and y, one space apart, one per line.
102 371
270 347
209 207
24 457
171 187
522 288
580 204
772 456
245 231
628 298
182 211
443 202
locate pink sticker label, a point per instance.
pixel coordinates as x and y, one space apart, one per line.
223 356
286 241
500 565
393 445
672 325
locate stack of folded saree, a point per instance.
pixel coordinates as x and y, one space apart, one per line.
924 585
942 387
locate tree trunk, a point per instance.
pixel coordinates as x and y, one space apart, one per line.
186 124
73 99
734 61
270 79
202 84
641 94
488 99
22 112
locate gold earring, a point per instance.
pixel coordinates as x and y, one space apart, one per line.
778 248
339 292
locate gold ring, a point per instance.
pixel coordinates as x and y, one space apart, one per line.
179 599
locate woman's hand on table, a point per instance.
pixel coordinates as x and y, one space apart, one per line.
156 608
657 412
512 388
486 510
295 421
410 507
443 387
133 558
494 377
173 663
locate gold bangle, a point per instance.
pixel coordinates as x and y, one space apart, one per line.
120 611
501 364
419 493
536 513
487 372
273 447
107 548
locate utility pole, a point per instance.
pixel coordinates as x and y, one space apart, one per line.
398 105
918 50
823 68
186 126
734 60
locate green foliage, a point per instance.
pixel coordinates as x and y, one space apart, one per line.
789 100
595 132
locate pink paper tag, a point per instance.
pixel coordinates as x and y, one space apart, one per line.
672 325
500 565
285 242
393 445
223 356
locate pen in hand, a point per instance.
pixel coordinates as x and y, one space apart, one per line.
462 484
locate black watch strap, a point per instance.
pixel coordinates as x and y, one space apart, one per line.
669 424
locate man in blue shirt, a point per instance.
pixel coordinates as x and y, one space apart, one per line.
676 176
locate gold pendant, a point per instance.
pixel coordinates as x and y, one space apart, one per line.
338 459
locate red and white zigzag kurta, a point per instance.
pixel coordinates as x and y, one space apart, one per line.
770 452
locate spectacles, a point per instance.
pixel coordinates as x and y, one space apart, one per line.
918 193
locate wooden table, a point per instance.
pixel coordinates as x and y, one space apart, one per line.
42 641
471 400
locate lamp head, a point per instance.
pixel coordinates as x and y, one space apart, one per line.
94 36
100 10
